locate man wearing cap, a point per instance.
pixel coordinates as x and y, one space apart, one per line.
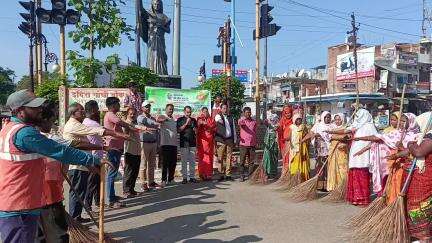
149 141
22 167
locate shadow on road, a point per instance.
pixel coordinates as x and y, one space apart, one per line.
181 228
177 195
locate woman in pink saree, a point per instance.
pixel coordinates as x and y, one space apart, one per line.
205 144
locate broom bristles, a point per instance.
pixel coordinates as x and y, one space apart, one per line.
258 176
389 225
368 213
338 194
290 183
305 191
79 233
285 176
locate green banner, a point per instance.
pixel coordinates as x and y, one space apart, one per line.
160 97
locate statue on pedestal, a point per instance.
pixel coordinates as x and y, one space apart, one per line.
154 26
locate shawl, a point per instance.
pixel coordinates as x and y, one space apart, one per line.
321 128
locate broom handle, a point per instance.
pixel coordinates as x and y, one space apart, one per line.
79 198
401 105
102 203
327 160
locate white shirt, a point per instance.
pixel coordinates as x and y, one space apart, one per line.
218 118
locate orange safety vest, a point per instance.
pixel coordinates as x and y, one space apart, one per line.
21 174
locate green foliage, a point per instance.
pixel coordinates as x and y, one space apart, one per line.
24 82
7 85
217 86
106 26
50 86
140 75
85 69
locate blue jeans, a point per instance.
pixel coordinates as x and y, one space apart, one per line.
79 180
114 157
18 229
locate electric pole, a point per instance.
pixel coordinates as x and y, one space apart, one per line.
39 47
233 38
138 6
353 33
257 59
176 37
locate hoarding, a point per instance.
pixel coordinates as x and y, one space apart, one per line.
345 68
160 97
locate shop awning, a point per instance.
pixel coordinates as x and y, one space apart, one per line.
391 69
343 97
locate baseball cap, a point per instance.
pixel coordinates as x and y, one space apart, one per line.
146 103
23 98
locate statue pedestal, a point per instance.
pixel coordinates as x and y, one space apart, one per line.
169 81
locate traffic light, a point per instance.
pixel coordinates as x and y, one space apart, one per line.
58 14
266 28
29 26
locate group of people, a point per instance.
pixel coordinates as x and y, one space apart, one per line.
363 160
36 158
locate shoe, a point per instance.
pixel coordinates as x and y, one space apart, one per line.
229 178
118 198
154 185
222 178
184 181
134 193
193 180
116 205
242 178
145 187
163 184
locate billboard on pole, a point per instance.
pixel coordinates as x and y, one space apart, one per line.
345 68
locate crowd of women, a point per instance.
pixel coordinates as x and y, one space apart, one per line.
366 162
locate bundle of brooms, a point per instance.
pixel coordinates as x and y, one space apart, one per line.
373 209
338 194
259 176
389 225
307 190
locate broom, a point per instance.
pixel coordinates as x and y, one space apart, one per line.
292 182
390 224
258 176
338 194
308 189
78 232
285 175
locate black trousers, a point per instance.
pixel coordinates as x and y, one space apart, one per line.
131 171
169 162
93 190
79 179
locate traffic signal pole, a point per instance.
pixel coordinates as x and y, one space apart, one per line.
257 59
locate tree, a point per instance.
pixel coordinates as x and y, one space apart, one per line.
24 82
85 69
217 86
102 26
50 86
7 85
140 75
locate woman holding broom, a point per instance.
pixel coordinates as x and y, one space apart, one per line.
358 175
337 169
283 132
299 154
322 141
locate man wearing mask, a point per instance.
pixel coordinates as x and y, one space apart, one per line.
22 167
226 138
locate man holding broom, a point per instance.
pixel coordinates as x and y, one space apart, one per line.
22 153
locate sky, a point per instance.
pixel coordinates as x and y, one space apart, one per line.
308 28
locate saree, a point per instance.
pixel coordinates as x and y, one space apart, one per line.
283 133
271 152
205 146
299 154
337 169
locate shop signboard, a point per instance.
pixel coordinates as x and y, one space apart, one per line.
345 68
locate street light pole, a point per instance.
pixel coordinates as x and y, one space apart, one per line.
176 37
233 37
62 51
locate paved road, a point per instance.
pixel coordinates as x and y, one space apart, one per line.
226 212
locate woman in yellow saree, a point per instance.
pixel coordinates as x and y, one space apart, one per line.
299 154
337 169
